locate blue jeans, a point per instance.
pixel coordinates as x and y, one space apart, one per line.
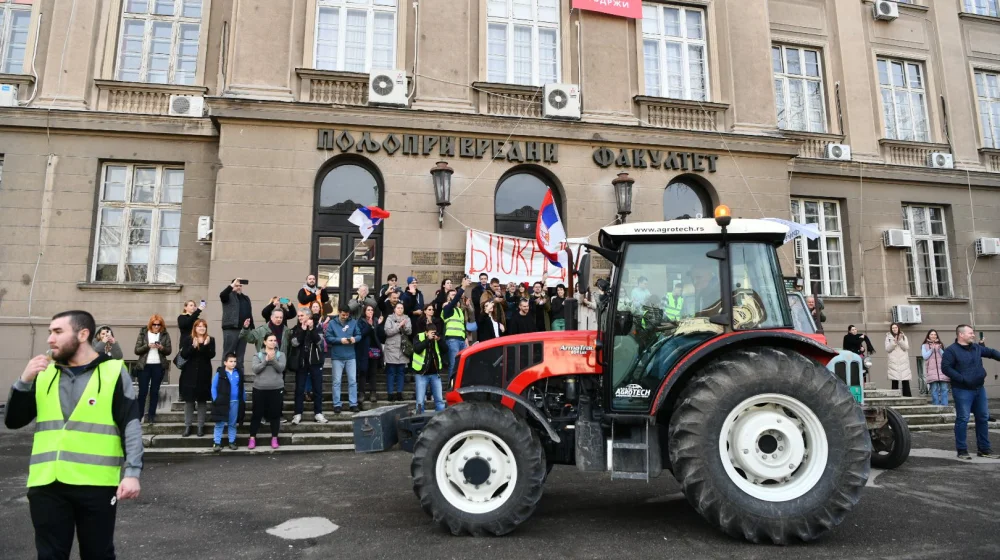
455 345
394 378
234 410
939 393
149 383
422 381
302 386
352 381
974 401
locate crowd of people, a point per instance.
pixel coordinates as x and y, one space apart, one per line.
395 331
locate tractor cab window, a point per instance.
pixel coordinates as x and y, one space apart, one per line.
666 294
759 297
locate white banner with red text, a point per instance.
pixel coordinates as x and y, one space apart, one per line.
512 259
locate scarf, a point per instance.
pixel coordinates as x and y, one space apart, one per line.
312 291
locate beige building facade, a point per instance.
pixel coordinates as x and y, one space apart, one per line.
701 102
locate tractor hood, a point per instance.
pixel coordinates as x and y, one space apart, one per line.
694 229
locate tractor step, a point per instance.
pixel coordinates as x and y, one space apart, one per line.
619 445
620 475
633 453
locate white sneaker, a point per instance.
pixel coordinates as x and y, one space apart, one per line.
296 419
320 419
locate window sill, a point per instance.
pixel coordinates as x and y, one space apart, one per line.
332 86
17 79
843 299
509 100
913 7
813 143
149 87
109 287
978 17
139 97
681 114
955 300
909 152
990 159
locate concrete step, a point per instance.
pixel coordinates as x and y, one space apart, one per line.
207 449
307 426
949 427
263 439
884 393
289 405
910 410
176 417
921 419
896 401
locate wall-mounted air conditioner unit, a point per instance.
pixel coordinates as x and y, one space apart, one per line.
187 106
941 160
387 87
886 10
204 228
906 314
987 246
897 238
561 101
8 95
839 152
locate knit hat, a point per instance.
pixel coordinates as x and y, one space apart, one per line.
410 280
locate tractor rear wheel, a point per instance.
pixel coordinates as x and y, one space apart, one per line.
891 443
769 446
478 468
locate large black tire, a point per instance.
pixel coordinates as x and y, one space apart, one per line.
898 449
694 439
527 451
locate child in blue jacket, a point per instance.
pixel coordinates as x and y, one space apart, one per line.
228 398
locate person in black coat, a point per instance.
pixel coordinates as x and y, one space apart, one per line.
195 385
288 308
523 321
488 325
185 321
368 352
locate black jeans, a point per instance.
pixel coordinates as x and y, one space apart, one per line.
149 382
231 343
367 378
57 510
314 372
906 388
266 404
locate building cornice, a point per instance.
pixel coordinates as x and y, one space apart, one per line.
895 173
311 115
117 124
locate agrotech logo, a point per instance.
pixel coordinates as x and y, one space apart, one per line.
633 391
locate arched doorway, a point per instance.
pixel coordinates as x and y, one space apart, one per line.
518 199
686 197
341 260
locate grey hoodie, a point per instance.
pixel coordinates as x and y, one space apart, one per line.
113 350
268 373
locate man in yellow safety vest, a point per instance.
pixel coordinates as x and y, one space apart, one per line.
454 325
673 303
86 426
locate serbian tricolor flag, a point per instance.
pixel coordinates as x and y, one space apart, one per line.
550 233
366 218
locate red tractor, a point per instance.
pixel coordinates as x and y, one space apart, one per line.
696 367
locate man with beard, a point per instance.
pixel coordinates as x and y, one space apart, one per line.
522 321
310 292
87 419
413 299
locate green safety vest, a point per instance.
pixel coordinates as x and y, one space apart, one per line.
673 307
419 359
86 450
454 326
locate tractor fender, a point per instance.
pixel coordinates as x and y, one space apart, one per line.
808 346
516 398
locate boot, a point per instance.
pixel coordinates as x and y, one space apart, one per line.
371 397
187 431
399 397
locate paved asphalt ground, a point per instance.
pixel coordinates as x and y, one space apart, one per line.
212 507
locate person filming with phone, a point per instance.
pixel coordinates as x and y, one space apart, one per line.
237 313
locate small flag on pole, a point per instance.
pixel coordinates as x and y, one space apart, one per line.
367 218
550 233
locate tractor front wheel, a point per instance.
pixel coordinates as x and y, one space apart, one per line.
478 468
769 446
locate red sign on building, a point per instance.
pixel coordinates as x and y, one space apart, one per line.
624 8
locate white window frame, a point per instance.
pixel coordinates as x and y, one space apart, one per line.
655 12
509 22
989 8
894 90
783 90
831 287
988 105
343 6
912 270
127 206
7 10
149 19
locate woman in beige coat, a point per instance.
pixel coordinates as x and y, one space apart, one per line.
898 348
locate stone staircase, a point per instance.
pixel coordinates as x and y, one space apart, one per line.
166 435
920 415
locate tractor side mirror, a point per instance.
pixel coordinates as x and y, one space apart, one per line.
583 273
820 307
623 323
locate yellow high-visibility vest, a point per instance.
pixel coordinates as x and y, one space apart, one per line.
85 450
673 307
454 326
420 358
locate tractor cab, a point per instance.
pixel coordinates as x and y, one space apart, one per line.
678 286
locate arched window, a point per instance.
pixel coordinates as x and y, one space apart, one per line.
518 200
347 185
686 198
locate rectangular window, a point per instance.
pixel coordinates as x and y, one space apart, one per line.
820 262
356 35
798 89
675 52
903 100
522 41
138 224
983 7
988 94
928 268
160 40
15 16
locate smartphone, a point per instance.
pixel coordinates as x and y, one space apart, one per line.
203 303
244 281
284 301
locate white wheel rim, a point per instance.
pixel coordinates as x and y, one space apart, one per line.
491 466
773 447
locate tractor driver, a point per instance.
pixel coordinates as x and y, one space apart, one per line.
707 294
